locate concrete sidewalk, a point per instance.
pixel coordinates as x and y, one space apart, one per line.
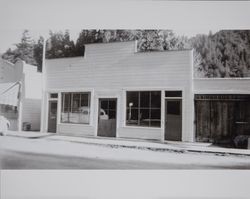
179 147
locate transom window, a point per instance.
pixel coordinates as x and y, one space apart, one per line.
173 94
143 108
53 95
75 108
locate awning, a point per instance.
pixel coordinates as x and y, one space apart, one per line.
9 93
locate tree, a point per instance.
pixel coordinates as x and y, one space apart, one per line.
86 37
23 50
125 35
150 40
59 45
173 42
198 68
225 53
38 53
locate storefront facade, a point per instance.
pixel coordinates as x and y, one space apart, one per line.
114 91
222 109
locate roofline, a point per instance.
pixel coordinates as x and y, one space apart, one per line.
92 44
63 58
136 53
164 51
135 42
111 42
8 62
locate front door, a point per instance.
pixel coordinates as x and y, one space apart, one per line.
107 117
52 117
242 118
173 117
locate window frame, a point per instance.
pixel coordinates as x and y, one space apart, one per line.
139 108
62 95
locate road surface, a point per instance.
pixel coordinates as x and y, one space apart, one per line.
17 160
23 153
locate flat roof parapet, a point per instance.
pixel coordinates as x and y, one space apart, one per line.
222 85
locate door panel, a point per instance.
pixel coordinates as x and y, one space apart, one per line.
173 117
107 117
52 117
242 122
219 118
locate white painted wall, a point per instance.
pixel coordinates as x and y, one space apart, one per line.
111 69
10 72
32 112
31 103
32 81
31 84
222 86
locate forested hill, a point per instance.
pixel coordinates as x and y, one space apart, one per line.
223 54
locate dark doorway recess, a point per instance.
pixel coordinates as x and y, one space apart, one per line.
173 115
52 117
107 117
220 118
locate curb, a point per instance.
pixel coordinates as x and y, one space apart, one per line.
152 148
28 137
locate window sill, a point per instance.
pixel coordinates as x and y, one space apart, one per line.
76 124
142 127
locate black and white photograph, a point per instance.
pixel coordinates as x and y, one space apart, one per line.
125 99
110 99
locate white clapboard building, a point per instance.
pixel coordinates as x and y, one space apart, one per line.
115 91
20 95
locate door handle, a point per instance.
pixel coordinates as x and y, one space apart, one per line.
241 122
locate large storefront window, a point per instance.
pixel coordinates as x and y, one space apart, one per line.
144 108
75 108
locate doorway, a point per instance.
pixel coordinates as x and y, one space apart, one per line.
52 116
107 115
173 119
219 118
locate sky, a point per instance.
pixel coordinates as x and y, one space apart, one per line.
187 18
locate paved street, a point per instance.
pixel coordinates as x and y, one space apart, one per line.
42 153
17 160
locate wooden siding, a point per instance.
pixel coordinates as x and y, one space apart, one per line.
140 133
75 129
220 118
32 113
117 66
114 68
222 85
32 82
216 120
